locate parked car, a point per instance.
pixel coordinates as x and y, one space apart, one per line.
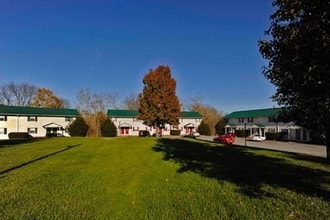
144 133
225 139
194 134
258 137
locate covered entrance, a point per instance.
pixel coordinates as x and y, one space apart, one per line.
258 129
230 128
189 128
124 128
53 128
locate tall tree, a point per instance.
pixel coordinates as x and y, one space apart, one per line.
45 98
92 102
298 53
93 107
17 94
210 114
159 104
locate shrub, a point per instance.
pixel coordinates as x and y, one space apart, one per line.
220 126
19 135
78 128
204 129
273 136
317 138
108 129
242 133
175 132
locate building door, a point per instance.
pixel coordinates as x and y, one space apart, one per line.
52 130
124 131
298 135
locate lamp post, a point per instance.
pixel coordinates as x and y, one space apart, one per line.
245 132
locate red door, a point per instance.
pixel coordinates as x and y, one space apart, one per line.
124 131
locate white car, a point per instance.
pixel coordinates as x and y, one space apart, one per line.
194 134
258 137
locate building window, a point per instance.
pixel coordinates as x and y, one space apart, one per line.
271 130
240 120
32 118
271 119
250 119
68 118
3 130
32 130
3 118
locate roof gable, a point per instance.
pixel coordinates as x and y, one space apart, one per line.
266 112
19 110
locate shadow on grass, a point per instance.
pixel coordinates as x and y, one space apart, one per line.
8 143
38 159
241 166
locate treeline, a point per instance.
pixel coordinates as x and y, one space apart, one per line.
94 105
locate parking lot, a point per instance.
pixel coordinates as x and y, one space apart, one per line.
294 147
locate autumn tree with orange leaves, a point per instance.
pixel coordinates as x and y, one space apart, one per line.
159 104
45 98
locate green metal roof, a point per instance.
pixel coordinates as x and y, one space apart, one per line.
122 113
266 112
191 115
134 113
18 110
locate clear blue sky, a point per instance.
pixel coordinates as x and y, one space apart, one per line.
108 46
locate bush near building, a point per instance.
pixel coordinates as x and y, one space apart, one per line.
204 129
78 128
175 132
108 129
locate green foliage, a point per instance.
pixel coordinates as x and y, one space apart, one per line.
298 53
78 128
19 135
220 126
204 129
158 101
242 133
273 136
108 129
175 132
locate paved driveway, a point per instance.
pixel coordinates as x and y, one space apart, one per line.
310 149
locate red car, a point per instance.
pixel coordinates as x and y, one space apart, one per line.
225 138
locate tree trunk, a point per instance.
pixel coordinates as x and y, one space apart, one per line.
157 131
327 140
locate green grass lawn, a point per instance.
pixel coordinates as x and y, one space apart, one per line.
150 178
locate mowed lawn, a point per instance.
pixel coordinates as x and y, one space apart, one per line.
165 178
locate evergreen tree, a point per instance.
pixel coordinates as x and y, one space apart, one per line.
204 129
108 129
220 126
78 128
